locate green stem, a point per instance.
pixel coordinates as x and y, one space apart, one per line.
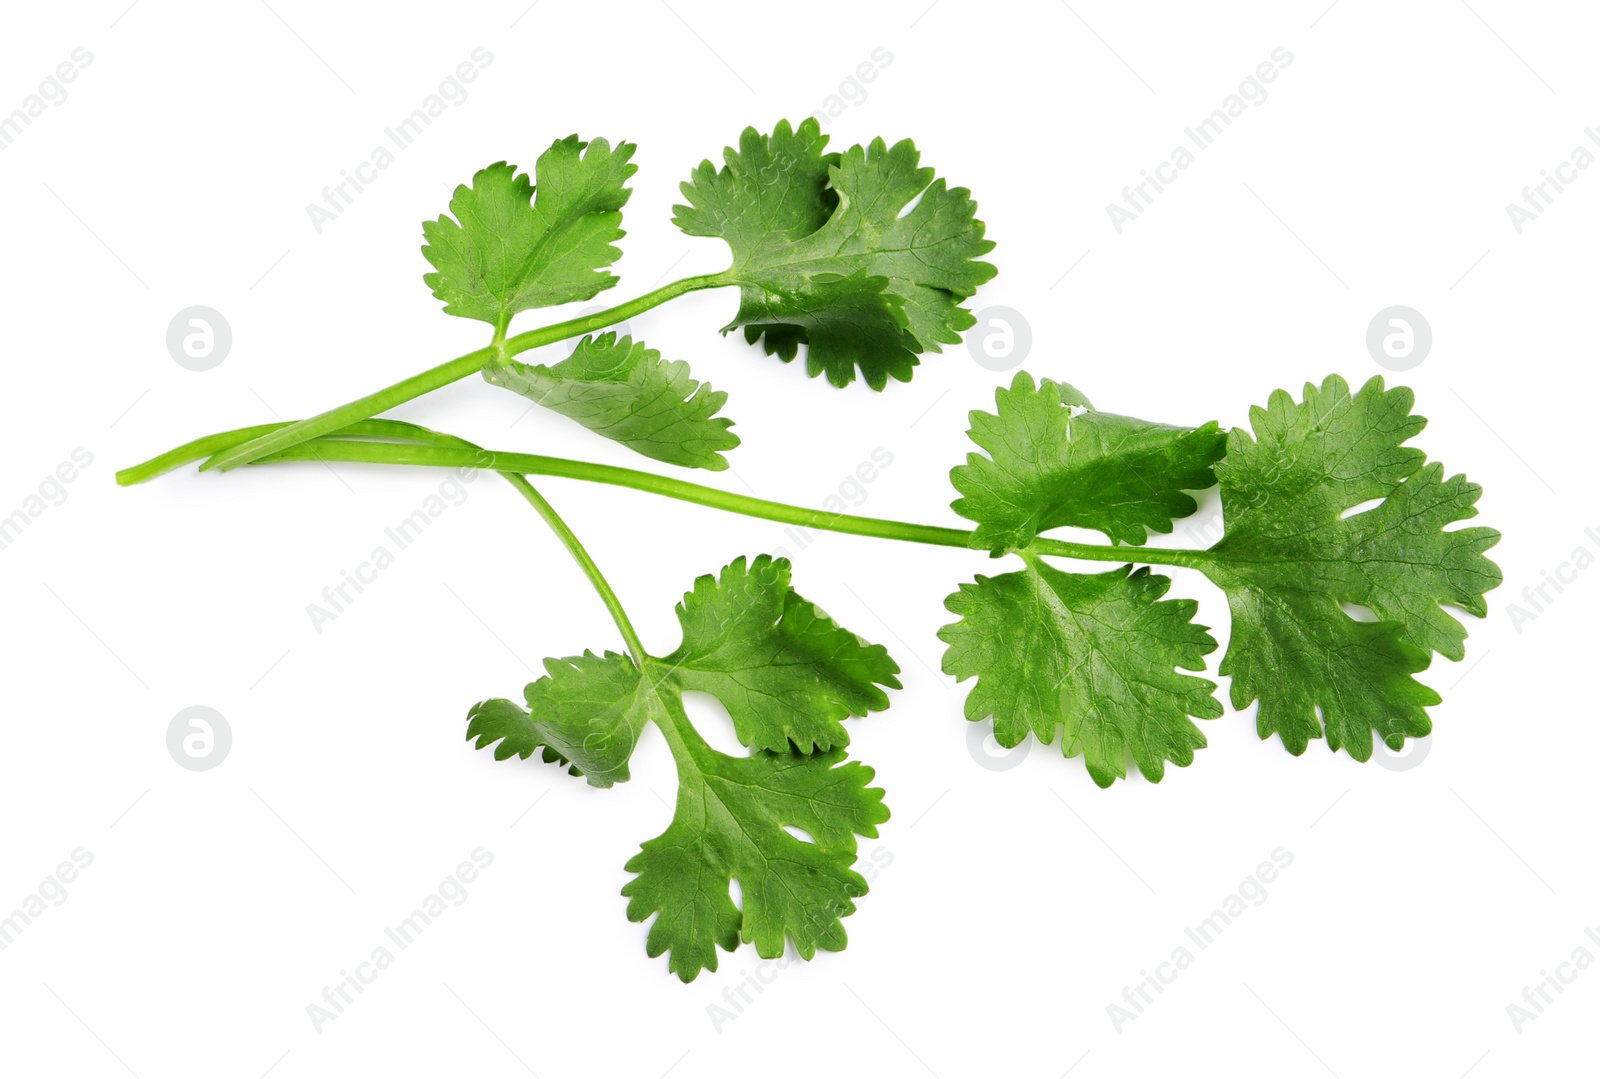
336 419
201 448
577 327
434 378
445 457
1096 552
568 538
534 464
684 742
575 548
189 452
442 451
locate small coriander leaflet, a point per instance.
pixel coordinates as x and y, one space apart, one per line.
628 393
1054 461
786 672
1091 654
586 712
730 825
511 248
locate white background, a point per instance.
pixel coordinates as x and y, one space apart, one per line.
1018 903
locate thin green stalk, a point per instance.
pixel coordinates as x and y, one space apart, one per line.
206 446
434 378
577 327
335 419
575 548
1096 552
683 741
327 449
568 538
443 451
189 452
440 456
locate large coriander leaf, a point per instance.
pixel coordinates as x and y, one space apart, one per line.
628 393
587 712
1290 557
829 251
788 675
510 248
729 825
1054 461
786 672
1093 654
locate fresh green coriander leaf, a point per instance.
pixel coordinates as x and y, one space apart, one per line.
786 672
788 675
1054 461
1092 654
1290 557
510 248
628 393
843 322
1304 658
771 192
729 825
587 712
827 253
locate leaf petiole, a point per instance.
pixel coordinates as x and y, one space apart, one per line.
575 547
347 450
547 512
502 348
443 451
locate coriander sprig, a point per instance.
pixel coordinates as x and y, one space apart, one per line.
826 253
1101 661
1287 561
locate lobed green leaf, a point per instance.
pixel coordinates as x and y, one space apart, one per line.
1291 558
1053 461
830 252
628 393
510 248
1090 655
